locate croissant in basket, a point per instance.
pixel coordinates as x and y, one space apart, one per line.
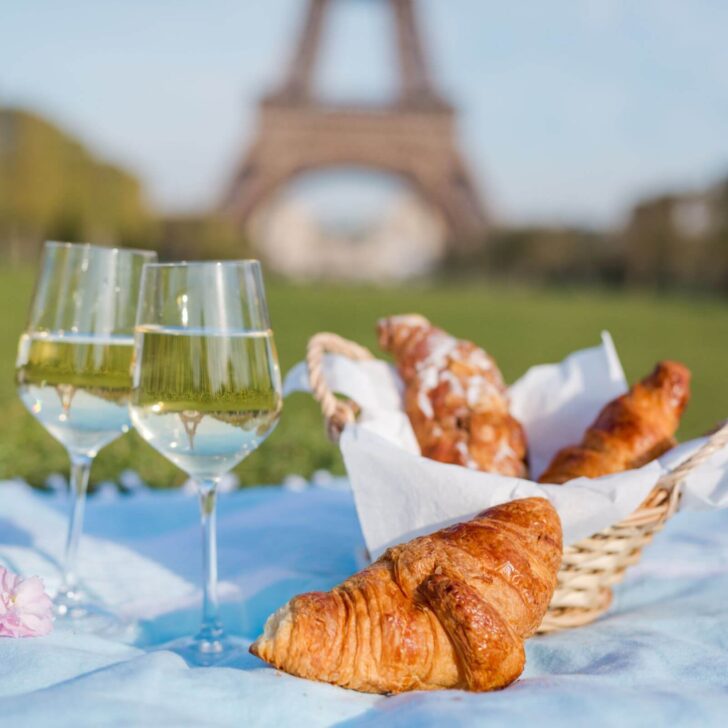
455 397
448 610
630 431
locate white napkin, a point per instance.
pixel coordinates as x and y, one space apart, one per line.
400 494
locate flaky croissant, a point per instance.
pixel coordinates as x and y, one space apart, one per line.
630 431
455 397
448 610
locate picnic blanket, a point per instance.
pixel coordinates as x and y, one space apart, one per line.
660 656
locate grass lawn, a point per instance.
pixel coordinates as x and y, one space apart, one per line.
520 326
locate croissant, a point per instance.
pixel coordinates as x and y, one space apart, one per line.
448 610
630 431
455 398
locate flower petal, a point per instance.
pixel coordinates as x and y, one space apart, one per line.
25 609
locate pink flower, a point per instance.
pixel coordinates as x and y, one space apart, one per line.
25 609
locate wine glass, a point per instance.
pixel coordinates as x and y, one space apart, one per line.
73 374
206 392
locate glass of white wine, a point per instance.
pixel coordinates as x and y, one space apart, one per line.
206 392
73 374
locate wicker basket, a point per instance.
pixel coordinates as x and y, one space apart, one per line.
590 567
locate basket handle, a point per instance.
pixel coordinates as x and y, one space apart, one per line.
337 412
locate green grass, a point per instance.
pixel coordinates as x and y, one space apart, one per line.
520 326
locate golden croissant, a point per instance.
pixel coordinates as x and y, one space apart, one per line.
448 610
630 431
455 397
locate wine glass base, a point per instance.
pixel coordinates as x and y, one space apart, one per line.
198 652
80 617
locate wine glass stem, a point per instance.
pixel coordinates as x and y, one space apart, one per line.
80 470
211 630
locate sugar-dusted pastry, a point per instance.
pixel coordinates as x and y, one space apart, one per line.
448 610
630 431
455 397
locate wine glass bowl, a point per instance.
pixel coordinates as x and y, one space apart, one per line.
73 375
206 391
208 399
77 386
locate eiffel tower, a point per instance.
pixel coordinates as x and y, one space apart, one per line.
413 137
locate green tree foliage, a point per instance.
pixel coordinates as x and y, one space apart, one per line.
669 241
199 237
51 186
718 245
679 241
553 255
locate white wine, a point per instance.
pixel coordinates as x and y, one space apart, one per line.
203 399
77 386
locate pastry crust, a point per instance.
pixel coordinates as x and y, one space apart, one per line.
448 610
455 397
630 431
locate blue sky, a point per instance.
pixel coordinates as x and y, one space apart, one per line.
570 108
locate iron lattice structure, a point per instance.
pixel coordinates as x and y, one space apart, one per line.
413 137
